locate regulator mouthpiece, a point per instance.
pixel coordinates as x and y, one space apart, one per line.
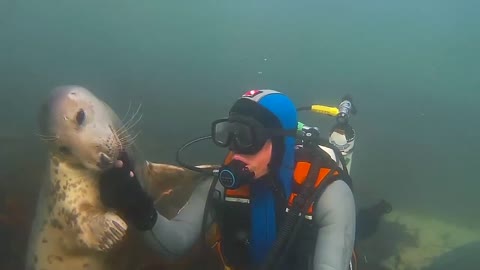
235 174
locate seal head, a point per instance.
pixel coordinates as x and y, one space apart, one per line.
84 131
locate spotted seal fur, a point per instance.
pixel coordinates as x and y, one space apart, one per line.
72 229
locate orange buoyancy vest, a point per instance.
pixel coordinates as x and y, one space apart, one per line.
301 171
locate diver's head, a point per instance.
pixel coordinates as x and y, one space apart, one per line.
260 132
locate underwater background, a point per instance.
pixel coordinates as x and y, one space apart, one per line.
412 68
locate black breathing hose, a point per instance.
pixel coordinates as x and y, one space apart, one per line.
188 166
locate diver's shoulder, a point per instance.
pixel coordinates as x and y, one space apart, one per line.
339 187
336 203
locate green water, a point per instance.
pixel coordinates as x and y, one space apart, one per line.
411 66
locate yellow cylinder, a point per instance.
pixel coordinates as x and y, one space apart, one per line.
332 111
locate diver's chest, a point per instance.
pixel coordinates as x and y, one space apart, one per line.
236 220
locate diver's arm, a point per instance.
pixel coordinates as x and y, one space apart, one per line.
121 190
174 238
335 216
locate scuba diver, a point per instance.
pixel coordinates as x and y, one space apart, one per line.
280 202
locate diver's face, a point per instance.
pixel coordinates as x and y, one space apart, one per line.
257 163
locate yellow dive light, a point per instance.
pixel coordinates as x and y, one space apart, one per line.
341 112
332 111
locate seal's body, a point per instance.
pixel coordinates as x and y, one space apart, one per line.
72 229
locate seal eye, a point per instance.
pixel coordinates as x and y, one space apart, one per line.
64 150
80 116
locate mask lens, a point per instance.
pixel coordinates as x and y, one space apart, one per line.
221 133
243 135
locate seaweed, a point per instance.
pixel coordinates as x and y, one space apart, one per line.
388 242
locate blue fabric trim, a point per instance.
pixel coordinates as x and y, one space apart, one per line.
264 227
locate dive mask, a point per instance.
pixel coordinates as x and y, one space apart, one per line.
244 135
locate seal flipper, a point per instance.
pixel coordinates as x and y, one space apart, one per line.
99 230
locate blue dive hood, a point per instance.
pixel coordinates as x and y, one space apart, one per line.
274 110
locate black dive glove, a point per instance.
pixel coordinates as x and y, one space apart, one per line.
122 191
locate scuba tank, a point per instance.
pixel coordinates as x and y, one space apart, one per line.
342 135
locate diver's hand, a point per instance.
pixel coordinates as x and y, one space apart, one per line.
120 190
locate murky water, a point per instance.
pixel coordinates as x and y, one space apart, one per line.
412 68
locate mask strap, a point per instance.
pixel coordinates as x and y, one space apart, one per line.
284 132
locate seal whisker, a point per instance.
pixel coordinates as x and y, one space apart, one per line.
117 141
47 137
128 111
122 139
136 121
129 138
127 128
121 145
132 140
48 140
125 139
131 118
